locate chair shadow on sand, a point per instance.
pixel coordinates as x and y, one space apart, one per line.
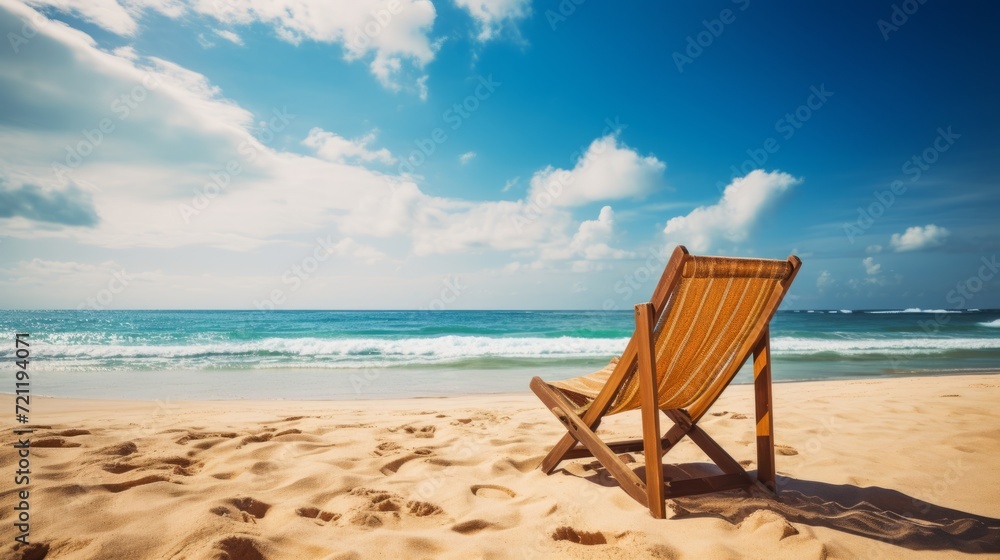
880 514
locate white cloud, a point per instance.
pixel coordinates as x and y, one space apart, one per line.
871 267
184 145
916 238
492 15
108 14
348 247
742 203
395 34
539 221
606 171
466 157
229 36
336 148
873 249
591 241
510 183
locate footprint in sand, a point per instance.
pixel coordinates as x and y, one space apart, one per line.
238 548
383 502
193 436
72 433
422 509
721 413
580 537
472 526
33 551
310 512
424 432
738 416
123 486
492 491
119 468
785 450
256 438
54 442
393 467
121 449
387 448
252 507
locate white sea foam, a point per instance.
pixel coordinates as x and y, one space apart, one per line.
917 310
995 324
798 346
427 349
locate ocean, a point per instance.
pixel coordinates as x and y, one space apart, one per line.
183 355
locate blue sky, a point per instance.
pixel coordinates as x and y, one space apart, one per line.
492 154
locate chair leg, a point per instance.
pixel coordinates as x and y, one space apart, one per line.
765 417
581 432
649 398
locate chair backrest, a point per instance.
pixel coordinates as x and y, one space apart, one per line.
707 326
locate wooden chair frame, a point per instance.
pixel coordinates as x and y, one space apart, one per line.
582 441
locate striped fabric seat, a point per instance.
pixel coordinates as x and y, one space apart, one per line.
707 319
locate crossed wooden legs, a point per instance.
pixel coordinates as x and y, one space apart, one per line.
654 490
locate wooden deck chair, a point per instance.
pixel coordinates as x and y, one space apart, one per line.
707 316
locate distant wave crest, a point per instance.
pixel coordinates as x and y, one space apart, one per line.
901 346
918 310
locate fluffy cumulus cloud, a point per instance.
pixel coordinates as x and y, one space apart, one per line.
146 153
393 35
742 203
591 241
333 147
540 220
492 15
607 170
916 238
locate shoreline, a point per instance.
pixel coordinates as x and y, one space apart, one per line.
344 386
866 468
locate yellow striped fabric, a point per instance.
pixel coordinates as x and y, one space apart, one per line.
705 321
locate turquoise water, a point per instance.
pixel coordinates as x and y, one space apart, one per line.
352 354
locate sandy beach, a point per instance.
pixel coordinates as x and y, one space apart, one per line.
885 468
